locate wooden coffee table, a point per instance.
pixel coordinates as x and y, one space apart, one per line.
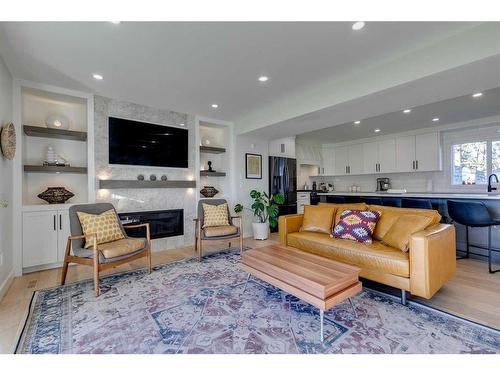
320 281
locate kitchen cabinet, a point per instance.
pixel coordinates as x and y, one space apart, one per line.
418 153
45 233
348 160
379 157
303 199
327 161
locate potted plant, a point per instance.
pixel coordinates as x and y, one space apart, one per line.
265 209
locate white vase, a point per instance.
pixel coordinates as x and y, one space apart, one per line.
260 231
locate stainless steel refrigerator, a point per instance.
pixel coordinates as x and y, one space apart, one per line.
283 179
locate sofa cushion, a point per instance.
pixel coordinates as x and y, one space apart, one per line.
356 225
221 230
399 234
104 226
340 207
121 247
389 215
376 256
318 219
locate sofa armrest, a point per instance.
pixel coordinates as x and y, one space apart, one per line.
288 224
432 259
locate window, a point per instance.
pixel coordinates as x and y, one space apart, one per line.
473 162
469 163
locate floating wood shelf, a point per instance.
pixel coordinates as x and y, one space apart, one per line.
214 174
38 131
54 169
136 184
212 150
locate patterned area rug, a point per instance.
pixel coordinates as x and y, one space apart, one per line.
191 307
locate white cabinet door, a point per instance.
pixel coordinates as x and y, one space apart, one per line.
62 234
328 161
405 153
427 152
341 160
39 238
387 156
355 159
370 157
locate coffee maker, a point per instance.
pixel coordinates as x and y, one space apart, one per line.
383 184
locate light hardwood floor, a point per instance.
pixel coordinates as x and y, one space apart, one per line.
473 293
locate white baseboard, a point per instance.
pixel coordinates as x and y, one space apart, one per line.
4 287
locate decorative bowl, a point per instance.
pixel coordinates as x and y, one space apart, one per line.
56 195
208 191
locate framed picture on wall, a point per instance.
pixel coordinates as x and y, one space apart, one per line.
253 166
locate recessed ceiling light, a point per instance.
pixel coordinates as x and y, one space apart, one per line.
358 25
407 110
98 76
435 119
215 105
263 78
477 95
182 124
377 130
357 122
115 22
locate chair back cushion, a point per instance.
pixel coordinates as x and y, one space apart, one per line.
215 202
215 215
318 218
104 226
356 225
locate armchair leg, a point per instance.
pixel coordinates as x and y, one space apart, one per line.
96 268
200 243
241 235
65 263
149 259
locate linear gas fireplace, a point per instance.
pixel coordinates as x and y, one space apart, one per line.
167 223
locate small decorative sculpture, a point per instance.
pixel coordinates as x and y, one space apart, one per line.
56 195
208 191
210 166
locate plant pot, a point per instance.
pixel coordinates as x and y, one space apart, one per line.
260 231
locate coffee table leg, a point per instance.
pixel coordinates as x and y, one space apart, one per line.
321 317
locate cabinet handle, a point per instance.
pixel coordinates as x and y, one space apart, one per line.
54 222
60 222
416 164
413 165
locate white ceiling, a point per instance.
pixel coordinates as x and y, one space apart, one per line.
188 66
461 109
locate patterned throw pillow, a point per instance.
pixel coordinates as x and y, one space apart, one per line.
356 225
214 216
104 225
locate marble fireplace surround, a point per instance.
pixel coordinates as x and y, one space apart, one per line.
132 200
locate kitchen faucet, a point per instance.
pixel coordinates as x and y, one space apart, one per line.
490 188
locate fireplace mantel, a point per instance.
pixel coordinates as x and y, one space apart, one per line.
136 184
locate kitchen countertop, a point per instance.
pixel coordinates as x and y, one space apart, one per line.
493 196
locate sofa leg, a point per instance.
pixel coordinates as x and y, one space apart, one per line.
403 297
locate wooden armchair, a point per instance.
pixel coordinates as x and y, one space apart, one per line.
106 255
226 232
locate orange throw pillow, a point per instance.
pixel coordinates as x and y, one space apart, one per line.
399 234
318 219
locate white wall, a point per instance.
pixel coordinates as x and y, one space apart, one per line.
248 144
6 251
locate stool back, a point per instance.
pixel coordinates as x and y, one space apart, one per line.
416 203
472 214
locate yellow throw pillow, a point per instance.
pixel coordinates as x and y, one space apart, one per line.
318 219
398 235
214 216
105 226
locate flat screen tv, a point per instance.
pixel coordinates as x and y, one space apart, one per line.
140 143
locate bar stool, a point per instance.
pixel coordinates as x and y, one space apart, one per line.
475 215
416 203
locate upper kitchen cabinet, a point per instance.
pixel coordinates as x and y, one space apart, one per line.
348 159
327 160
284 147
379 157
418 153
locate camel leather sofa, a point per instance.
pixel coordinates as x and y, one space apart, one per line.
422 270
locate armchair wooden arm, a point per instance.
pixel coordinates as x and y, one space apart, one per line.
146 225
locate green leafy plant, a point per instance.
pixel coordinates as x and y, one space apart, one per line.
264 207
